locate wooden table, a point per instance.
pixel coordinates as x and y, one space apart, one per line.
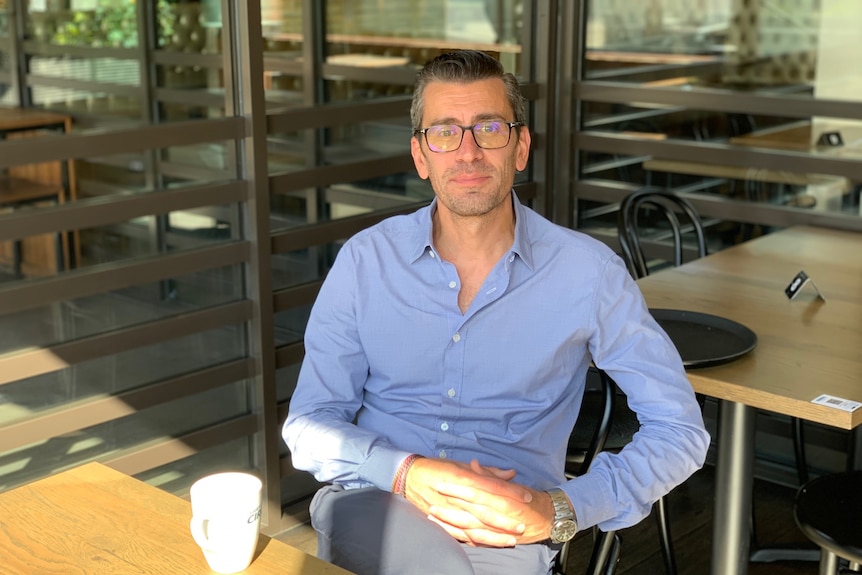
52 181
649 58
93 520
25 119
805 347
795 136
802 136
741 173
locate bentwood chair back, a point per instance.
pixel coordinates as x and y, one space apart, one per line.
682 221
651 202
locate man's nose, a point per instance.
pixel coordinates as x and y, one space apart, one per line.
469 148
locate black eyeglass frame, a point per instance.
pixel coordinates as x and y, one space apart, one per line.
464 129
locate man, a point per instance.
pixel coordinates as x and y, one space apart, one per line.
446 356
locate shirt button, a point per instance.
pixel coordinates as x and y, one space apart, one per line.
442 454
453 284
456 338
511 258
430 253
451 392
444 426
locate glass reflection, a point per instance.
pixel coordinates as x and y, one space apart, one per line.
714 42
792 48
376 46
171 419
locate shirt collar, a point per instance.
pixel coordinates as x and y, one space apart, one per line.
520 247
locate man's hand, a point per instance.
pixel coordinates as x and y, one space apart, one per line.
479 505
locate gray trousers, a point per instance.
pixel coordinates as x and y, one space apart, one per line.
372 532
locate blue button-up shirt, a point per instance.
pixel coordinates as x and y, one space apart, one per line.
393 367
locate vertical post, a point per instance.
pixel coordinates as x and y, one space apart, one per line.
242 35
731 536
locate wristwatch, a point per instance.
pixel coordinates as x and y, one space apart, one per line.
565 526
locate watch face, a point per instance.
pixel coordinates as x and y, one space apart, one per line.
563 530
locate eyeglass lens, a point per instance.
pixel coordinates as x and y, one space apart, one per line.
488 135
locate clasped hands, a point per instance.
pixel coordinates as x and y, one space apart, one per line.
479 505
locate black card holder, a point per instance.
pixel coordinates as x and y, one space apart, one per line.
800 281
830 139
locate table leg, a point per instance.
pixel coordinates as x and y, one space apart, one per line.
734 477
854 449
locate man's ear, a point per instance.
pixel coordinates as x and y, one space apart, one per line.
418 157
522 155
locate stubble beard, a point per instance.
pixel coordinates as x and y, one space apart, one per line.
472 201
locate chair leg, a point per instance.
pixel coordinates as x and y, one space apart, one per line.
828 563
17 257
799 449
614 556
603 552
562 559
752 526
664 535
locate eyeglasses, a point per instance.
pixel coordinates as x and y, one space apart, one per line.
489 135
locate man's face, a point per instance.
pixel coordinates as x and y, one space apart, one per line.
470 181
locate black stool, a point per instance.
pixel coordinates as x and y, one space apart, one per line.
828 510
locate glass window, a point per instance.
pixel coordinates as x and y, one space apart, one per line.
118 436
700 72
116 373
92 315
783 46
178 476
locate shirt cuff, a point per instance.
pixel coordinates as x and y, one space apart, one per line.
382 465
591 499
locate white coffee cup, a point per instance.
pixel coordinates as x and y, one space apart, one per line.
226 519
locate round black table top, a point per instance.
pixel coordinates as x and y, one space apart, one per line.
704 340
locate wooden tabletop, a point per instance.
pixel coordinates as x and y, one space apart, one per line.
18 190
649 57
806 347
93 520
795 136
742 173
29 118
802 137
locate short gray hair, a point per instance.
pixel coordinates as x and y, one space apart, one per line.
464 66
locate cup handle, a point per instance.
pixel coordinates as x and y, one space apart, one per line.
198 527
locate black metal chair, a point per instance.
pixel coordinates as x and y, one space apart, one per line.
651 201
623 426
671 208
828 510
588 439
606 424
667 206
